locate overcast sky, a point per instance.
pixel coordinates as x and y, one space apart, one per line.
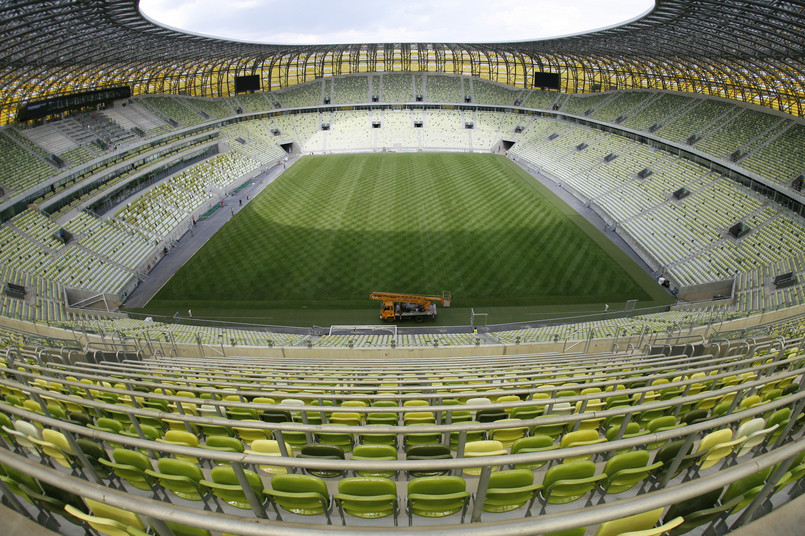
385 21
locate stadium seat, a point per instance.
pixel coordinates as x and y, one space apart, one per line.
567 482
300 494
625 470
428 452
638 525
269 447
324 452
437 496
376 453
509 490
534 443
181 477
226 487
367 497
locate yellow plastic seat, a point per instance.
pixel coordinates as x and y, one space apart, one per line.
638 525
580 438
477 449
269 447
183 438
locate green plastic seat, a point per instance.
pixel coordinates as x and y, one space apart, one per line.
18 482
509 490
343 440
568 482
666 455
526 412
181 477
694 416
305 495
746 488
625 470
660 424
580 531
226 487
537 443
94 453
183 438
380 419
428 452
54 500
131 466
223 443
215 430
324 452
377 453
184 530
105 424
780 418
552 430
632 430
795 472
437 496
367 498
699 511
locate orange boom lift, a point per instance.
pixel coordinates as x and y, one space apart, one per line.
402 306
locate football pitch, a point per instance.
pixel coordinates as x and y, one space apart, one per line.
312 246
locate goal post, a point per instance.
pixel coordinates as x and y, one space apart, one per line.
477 319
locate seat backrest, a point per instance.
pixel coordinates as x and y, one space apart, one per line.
118 514
428 452
645 520
437 485
132 457
514 478
714 438
579 436
537 441
569 471
367 486
485 446
375 451
626 460
226 443
172 466
299 483
182 436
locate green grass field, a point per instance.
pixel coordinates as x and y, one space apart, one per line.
332 229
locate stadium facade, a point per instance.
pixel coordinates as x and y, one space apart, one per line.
748 51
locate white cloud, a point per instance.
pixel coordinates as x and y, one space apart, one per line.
384 21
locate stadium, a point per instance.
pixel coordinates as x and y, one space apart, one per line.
612 224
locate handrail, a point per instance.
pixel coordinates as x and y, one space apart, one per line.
527 526
675 433
311 384
447 408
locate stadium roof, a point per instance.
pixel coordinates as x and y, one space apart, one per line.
749 50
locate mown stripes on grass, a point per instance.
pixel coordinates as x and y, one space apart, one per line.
332 229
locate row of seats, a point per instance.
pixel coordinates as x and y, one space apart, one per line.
541 481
